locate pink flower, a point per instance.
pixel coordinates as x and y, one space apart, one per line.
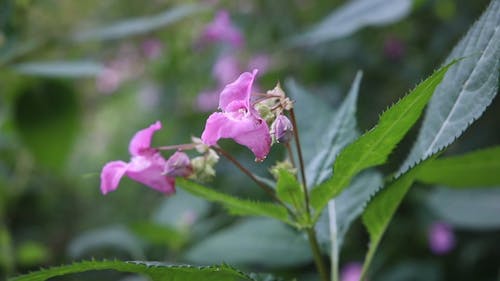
147 166
152 48
351 271
239 120
226 69
441 238
222 30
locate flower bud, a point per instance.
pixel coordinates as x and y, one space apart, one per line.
178 165
282 129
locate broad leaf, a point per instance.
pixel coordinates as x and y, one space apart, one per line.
64 69
479 168
254 241
466 90
309 107
156 271
137 26
235 205
374 147
476 208
288 189
117 237
339 131
381 209
348 206
353 16
181 211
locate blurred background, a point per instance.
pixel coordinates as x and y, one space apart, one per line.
79 78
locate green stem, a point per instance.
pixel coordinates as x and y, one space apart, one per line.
311 235
334 242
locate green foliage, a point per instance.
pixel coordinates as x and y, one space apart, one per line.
137 26
235 205
62 69
156 271
478 168
337 132
474 209
466 91
381 209
289 190
351 17
373 148
253 241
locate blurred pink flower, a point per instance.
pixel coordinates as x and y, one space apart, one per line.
239 120
394 48
441 238
207 100
146 166
351 271
262 62
226 69
222 30
108 80
152 48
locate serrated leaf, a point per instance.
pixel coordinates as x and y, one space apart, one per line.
479 168
476 208
254 241
339 131
236 206
156 271
466 90
137 26
351 17
374 147
60 69
382 207
288 189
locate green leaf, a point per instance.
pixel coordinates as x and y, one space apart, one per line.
254 241
351 17
288 189
117 237
466 91
309 107
181 211
138 26
235 205
60 69
468 209
479 168
382 208
156 271
374 147
336 133
160 234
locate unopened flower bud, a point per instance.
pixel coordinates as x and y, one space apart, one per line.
265 112
282 165
178 165
202 170
282 129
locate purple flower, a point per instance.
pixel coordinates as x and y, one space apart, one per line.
147 166
239 120
282 129
441 238
178 165
226 69
222 30
351 271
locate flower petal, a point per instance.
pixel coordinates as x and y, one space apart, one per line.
237 94
111 174
245 129
142 139
148 169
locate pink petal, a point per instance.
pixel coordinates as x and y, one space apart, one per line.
111 174
245 128
142 139
148 169
237 94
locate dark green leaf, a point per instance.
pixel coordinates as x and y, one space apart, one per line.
466 90
479 168
156 271
373 148
235 205
253 241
